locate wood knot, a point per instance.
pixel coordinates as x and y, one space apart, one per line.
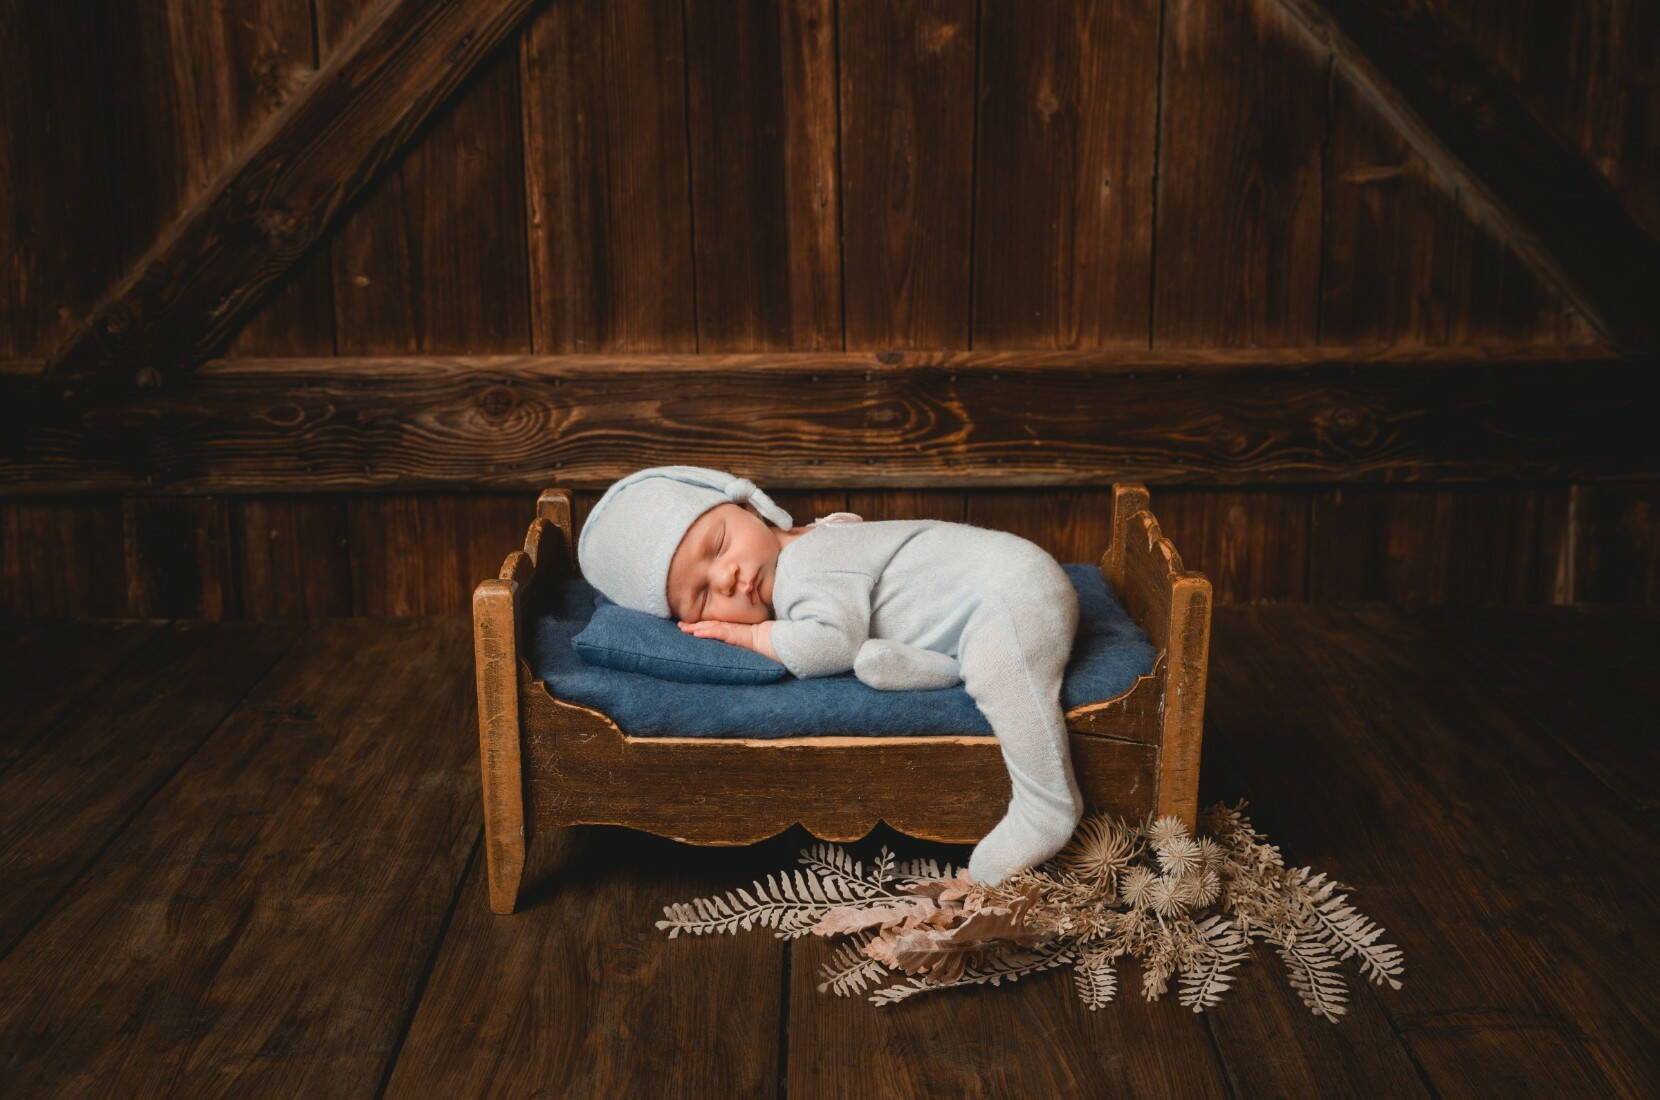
277 224
496 402
890 357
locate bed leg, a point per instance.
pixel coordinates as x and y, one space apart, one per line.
1184 698
496 663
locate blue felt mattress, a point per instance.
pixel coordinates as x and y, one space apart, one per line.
1108 653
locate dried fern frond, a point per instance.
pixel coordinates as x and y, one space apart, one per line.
1346 931
1096 976
1010 965
1207 979
793 910
1310 965
1147 890
849 969
834 863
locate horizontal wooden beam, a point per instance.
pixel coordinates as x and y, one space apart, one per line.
809 420
1546 201
208 272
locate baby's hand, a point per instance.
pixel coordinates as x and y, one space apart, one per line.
739 634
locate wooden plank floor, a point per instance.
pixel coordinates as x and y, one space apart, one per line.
240 858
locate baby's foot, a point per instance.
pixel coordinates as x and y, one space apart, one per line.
1028 834
887 665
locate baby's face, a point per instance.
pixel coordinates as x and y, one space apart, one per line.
724 568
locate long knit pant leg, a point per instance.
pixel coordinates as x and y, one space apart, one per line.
1013 659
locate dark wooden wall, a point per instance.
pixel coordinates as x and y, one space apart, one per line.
691 176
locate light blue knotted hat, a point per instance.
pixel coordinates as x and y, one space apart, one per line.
631 535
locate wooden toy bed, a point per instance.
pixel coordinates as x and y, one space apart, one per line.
548 763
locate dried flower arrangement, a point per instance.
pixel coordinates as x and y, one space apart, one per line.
1151 892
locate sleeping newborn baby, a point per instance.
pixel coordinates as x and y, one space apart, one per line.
902 604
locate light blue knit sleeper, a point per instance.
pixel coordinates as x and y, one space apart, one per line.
897 601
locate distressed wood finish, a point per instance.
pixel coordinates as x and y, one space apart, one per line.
1133 754
205 275
855 420
1237 236
606 177
188 85
760 81
432 259
1064 173
1514 176
495 657
255 909
1403 260
59 240
1172 604
907 95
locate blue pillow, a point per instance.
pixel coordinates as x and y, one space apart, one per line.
632 641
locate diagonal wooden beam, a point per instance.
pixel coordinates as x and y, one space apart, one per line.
1515 178
209 270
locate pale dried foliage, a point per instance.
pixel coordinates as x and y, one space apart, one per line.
1177 904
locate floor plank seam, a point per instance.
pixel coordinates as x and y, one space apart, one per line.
1400 1037
144 803
784 1023
431 964
88 700
1221 1059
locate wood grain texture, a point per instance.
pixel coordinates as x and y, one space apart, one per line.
276 900
189 83
495 665
619 1008
281 190
907 94
1064 173
1457 545
66 796
1616 543
431 257
1516 177
423 554
946 504
1340 781
1587 72
181 558
1073 525
1404 260
803 420
1239 177
58 240
960 1045
295 557
581 768
761 126
1253 544
53 670
63 556
607 177
379 966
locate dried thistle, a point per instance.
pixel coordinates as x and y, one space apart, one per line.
1176 903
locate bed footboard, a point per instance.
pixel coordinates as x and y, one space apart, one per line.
1172 604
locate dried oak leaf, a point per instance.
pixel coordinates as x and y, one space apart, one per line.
943 889
850 918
